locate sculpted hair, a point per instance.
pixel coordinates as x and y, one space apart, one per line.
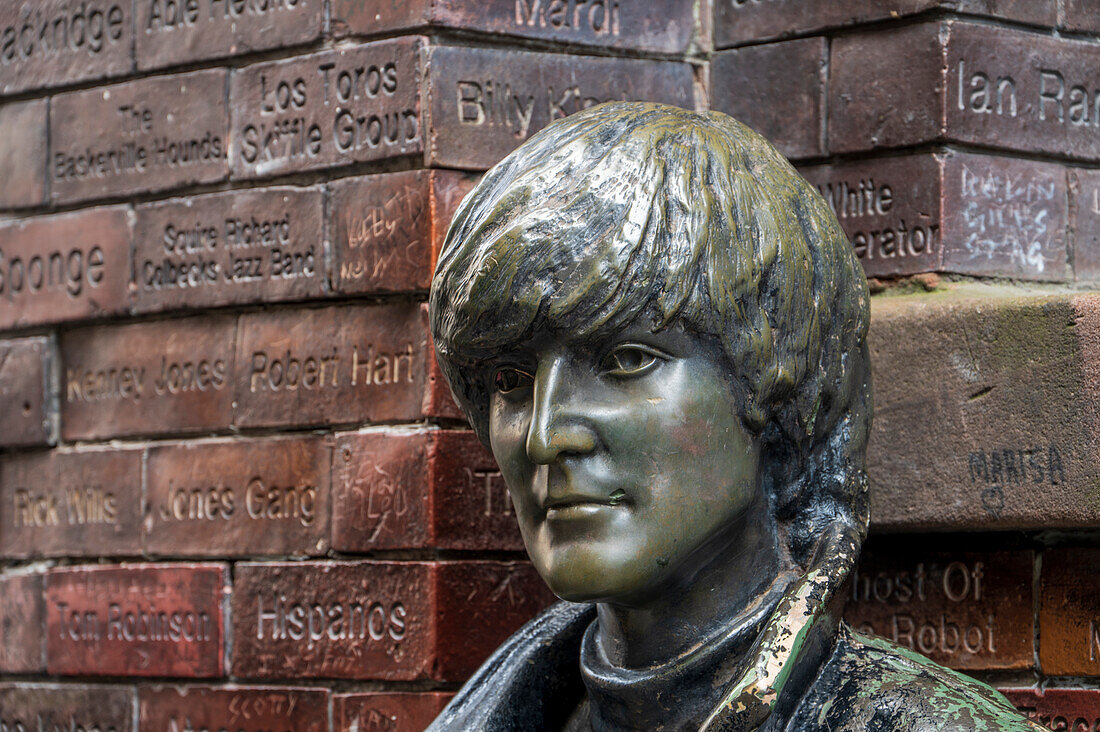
634 210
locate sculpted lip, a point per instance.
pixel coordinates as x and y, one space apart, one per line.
615 499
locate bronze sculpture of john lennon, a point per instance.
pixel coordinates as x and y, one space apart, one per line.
660 330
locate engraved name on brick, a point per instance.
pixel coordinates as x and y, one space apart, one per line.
390 711
248 709
1062 710
1069 619
29 707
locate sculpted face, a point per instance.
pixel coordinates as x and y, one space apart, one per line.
625 459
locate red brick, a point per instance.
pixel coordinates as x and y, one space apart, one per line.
428 488
664 28
147 378
22 626
47 43
231 498
197 30
136 620
1069 614
64 267
1059 709
233 708
83 502
966 610
388 229
1081 15
963 82
377 620
138 137
27 392
392 711
27 706
232 248
23 153
1085 223
791 77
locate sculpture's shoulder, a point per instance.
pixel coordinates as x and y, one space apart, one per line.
872 684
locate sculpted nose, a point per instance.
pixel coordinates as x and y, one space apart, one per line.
559 423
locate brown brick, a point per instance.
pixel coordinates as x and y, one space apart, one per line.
138 137
196 30
238 498
1059 709
22 626
83 502
1069 614
388 229
233 708
391 711
429 488
331 366
791 77
147 378
966 610
26 707
376 620
964 82
664 28
1082 15
23 153
27 392
1085 223
136 620
987 410
231 248
954 212
47 43
64 267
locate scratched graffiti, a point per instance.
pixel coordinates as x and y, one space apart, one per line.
1008 216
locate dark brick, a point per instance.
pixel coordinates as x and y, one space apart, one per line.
82 502
27 392
664 28
138 137
231 248
377 620
238 708
391 711
47 43
1068 710
1081 15
136 620
791 77
1085 223
64 267
1069 615
388 229
196 30
22 627
23 153
147 378
28 706
429 488
238 498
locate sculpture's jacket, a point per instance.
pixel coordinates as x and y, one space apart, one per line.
788 664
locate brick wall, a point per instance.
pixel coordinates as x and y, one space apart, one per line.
233 488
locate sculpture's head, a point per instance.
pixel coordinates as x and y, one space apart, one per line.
660 330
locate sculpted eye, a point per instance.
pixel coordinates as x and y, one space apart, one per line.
632 360
509 380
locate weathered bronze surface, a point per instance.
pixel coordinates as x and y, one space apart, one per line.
660 330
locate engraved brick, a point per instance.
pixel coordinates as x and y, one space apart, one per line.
791 76
238 498
616 24
22 626
138 137
47 43
394 711
26 706
147 378
1069 616
439 488
83 502
195 30
388 229
987 410
234 708
1058 709
136 620
64 267
952 212
23 153
964 82
966 610
376 620
27 392
1085 223
232 248
331 366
